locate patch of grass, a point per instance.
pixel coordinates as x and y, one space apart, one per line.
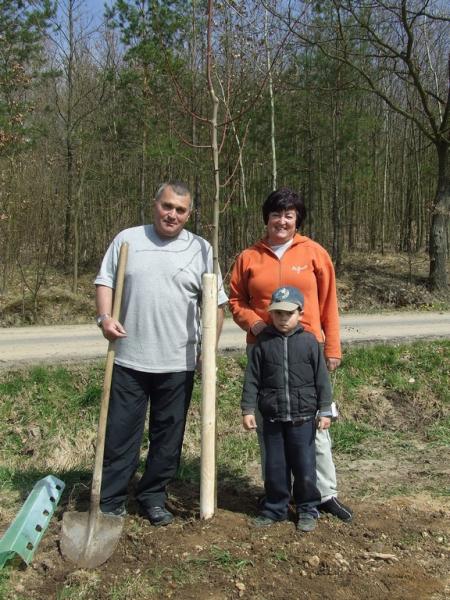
13 386
438 490
4 582
401 489
189 471
238 449
411 538
280 556
400 440
348 435
45 401
431 484
76 592
151 582
7 592
439 433
413 371
91 395
132 588
361 366
229 386
181 574
227 561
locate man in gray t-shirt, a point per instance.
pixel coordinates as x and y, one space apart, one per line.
157 348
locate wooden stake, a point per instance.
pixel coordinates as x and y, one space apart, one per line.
208 430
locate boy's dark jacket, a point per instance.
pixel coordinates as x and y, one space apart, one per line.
286 376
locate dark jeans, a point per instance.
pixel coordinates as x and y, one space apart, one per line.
169 395
290 448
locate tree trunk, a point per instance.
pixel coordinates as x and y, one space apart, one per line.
385 178
438 278
142 173
272 104
69 138
337 200
214 142
143 201
311 173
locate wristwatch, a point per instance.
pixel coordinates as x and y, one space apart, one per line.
100 318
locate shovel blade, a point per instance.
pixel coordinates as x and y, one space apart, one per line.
88 540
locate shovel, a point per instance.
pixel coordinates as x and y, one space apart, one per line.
89 538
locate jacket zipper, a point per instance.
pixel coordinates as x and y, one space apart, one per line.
280 260
286 378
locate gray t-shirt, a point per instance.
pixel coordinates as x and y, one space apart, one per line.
161 298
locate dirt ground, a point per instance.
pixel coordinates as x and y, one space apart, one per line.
396 548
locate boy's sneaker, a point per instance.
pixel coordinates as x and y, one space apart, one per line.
158 515
262 521
119 511
306 522
337 509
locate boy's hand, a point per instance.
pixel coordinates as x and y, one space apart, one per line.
324 423
249 422
333 363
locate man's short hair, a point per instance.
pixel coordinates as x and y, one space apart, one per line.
180 189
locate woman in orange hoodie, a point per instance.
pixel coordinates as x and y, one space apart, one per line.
286 258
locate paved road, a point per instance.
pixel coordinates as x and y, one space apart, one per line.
32 345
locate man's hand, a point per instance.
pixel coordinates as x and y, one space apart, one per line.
249 422
323 423
333 363
112 329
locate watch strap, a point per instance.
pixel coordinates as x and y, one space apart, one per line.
100 318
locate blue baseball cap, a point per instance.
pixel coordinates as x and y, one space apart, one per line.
287 298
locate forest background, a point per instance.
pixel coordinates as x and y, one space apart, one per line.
347 102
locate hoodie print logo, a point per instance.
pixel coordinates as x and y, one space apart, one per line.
298 268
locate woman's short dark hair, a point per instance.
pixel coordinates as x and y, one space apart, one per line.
285 199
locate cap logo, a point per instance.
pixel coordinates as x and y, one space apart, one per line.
283 293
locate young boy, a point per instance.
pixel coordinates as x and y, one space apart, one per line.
287 378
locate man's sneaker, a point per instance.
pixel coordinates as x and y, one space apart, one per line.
337 509
262 521
119 511
260 499
306 522
158 515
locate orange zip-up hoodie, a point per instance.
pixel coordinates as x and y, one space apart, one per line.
258 272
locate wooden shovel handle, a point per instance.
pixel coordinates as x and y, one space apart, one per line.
100 446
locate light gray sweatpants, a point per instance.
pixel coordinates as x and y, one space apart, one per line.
325 469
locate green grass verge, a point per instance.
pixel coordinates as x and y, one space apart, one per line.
43 406
420 367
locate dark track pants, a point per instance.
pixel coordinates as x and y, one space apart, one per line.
290 448
170 396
